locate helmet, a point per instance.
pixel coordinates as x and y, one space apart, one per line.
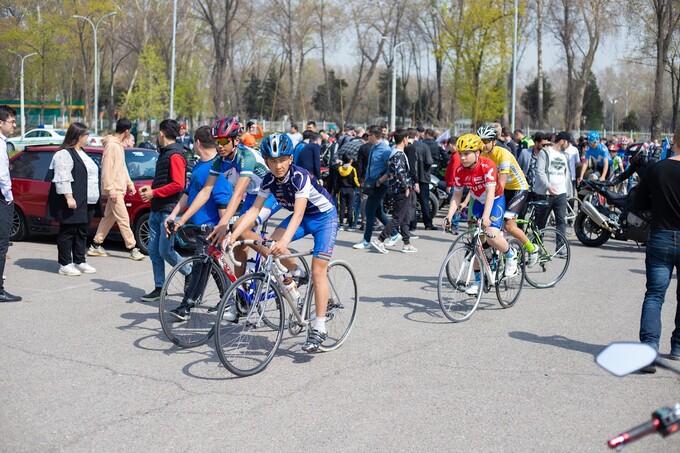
593 136
276 145
624 140
613 147
228 127
469 142
487 132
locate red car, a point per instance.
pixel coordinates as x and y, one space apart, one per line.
28 169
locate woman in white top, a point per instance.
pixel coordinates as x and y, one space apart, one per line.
73 197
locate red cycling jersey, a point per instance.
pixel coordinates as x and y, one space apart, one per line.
478 178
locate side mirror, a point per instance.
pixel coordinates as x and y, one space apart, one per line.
621 359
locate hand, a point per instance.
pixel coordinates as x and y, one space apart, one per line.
146 193
446 223
113 197
219 234
132 190
601 178
408 192
486 223
578 181
417 188
280 247
552 191
71 203
168 222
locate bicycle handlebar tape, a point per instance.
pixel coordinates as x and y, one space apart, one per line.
634 434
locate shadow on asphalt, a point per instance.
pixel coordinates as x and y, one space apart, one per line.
559 341
38 264
123 289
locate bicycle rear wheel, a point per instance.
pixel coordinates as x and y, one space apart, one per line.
187 303
554 256
343 297
508 289
457 298
247 345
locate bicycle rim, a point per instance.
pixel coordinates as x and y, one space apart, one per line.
343 297
508 289
551 266
456 276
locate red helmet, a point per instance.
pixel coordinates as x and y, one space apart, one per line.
228 127
624 140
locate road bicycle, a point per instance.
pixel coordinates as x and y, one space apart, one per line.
247 345
471 263
554 253
188 303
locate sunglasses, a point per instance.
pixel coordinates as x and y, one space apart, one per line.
486 141
594 142
222 141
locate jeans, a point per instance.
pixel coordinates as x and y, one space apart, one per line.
374 208
161 248
558 205
6 213
357 208
663 253
401 217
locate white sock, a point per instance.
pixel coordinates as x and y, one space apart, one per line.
319 324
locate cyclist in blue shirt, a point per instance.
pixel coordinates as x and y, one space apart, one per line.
600 155
313 213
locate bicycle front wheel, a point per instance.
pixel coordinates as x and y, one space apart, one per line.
188 303
509 287
247 345
554 256
458 289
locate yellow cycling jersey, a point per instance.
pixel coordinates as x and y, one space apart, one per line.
507 164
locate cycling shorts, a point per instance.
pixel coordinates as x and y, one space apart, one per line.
270 207
323 227
497 211
517 204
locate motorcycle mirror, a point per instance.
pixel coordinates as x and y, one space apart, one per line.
621 359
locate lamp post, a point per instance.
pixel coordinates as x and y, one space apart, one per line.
172 58
613 102
393 109
514 69
96 65
21 78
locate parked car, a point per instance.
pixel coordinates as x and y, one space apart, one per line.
40 136
94 139
29 168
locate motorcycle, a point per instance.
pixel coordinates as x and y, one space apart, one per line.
434 198
608 214
621 359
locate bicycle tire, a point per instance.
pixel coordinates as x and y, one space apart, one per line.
246 346
199 328
508 289
550 267
343 298
455 276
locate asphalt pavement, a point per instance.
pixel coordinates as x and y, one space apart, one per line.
86 366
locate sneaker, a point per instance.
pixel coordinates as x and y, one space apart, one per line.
561 253
362 245
431 228
96 250
379 246
351 229
389 242
70 269
85 268
674 355
511 267
153 296
136 255
314 340
414 237
341 228
230 314
473 289
300 276
181 313
532 258
649 369
408 248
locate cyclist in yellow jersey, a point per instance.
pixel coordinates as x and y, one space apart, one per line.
515 187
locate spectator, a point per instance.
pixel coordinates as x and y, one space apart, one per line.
115 183
506 139
362 165
309 157
311 125
252 134
294 134
501 141
186 140
164 193
439 155
8 122
346 184
424 161
146 143
522 141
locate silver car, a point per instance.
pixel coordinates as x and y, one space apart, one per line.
40 136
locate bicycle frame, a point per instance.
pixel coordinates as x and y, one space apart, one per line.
476 232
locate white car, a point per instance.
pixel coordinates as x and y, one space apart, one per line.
41 136
94 140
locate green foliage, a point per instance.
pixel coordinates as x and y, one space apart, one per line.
593 105
150 96
252 97
529 98
403 105
191 96
630 122
337 90
273 97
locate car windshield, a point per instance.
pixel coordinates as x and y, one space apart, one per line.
62 133
141 163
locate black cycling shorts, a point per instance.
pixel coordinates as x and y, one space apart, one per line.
516 203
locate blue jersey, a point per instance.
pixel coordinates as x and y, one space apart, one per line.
219 197
297 183
599 154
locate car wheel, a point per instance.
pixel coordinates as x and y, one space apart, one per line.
10 147
142 233
19 230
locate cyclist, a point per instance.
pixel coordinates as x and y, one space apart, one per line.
514 186
480 175
244 169
313 213
598 152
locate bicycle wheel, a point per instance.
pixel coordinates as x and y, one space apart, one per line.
247 345
456 283
508 289
554 256
343 298
187 303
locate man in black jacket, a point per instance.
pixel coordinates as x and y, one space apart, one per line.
424 161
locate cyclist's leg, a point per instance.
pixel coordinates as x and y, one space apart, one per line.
494 238
290 263
514 208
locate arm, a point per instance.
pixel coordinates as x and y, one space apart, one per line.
298 214
502 179
316 164
603 176
541 175
178 178
490 195
259 133
221 228
245 221
453 207
201 198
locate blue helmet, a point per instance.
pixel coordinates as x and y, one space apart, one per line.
593 136
276 145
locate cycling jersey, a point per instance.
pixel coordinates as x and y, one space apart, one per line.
484 174
507 164
246 162
599 154
297 183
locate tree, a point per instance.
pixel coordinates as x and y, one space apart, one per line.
252 97
630 122
330 96
530 99
593 105
150 95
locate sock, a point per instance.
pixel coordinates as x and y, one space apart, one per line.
530 246
478 278
319 324
510 254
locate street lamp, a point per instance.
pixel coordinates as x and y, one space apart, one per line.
393 110
172 63
96 65
514 69
23 114
613 102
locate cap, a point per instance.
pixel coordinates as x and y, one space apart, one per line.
145 134
564 136
420 129
183 126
